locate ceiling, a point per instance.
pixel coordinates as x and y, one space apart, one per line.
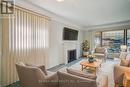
89 13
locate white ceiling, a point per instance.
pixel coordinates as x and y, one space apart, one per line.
89 12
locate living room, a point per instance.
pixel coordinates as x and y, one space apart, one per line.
63 37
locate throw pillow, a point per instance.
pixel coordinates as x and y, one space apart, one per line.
41 67
81 74
125 62
123 55
21 63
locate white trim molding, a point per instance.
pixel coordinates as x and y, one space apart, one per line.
115 25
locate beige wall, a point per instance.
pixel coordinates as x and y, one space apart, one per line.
89 35
56 43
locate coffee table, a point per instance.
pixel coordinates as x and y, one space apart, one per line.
95 65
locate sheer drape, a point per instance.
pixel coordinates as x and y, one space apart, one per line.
25 38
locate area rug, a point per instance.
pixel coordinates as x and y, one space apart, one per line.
106 69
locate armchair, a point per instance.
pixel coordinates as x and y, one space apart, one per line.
100 53
32 76
119 73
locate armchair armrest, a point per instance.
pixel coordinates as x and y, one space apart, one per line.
50 80
52 76
119 73
42 67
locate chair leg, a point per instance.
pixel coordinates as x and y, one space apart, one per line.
115 85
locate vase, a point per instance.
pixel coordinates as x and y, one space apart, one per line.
85 54
90 60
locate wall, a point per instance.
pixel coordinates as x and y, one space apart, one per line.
89 35
56 43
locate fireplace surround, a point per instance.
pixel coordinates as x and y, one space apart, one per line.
67 48
71 55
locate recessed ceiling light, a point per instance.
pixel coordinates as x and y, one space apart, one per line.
60 0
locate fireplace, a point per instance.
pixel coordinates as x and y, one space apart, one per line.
71 55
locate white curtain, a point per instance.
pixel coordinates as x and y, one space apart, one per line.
25 38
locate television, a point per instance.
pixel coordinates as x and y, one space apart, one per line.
70 34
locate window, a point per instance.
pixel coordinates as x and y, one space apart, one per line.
113 40
29 31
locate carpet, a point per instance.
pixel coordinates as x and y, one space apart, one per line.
106 68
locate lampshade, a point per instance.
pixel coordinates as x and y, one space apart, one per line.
123 47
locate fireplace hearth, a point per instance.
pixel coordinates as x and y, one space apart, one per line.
71 55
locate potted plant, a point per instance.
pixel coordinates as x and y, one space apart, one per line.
85 48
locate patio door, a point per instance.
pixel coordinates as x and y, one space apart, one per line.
112 40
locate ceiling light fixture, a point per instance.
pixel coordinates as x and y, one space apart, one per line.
60 0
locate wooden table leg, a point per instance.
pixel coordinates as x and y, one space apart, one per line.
100 65
95 70
82 67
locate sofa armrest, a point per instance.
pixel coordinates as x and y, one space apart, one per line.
119 73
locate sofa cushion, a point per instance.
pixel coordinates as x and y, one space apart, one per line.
99 54
124 62
100 50
81 74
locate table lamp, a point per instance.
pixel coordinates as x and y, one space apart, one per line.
123 48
